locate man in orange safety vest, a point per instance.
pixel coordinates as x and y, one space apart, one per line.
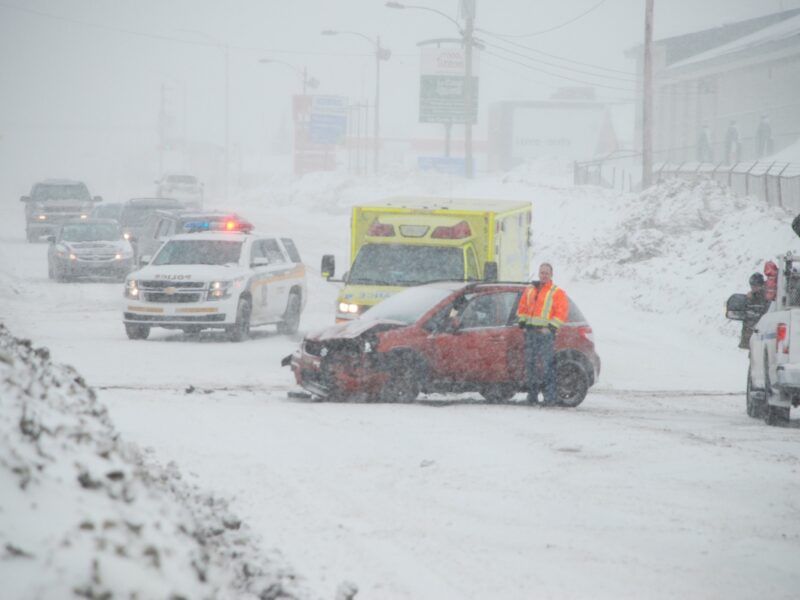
542 309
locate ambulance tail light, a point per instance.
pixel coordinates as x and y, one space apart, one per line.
455 232
782 339
380 229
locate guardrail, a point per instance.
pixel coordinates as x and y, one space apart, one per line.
776 183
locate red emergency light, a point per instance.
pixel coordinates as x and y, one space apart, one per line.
380 229
458 231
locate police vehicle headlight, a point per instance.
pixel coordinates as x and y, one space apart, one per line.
132 289
219 290
347 307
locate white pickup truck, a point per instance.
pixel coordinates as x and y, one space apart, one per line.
773 378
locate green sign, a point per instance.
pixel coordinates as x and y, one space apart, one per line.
441 99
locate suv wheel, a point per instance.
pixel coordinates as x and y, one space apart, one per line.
403 384
137 332
572 384
291 318
240 330
500 392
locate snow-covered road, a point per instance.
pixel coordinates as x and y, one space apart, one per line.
657 486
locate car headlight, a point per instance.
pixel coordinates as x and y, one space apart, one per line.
127 235
42 217
132 289
347 307
122 255
219 290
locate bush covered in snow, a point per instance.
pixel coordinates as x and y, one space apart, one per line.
84 515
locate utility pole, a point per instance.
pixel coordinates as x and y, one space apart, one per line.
227 121
647 98
376 150
469 26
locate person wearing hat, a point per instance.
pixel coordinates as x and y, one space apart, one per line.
757 306
542 309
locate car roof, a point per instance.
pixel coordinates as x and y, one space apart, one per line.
59 182
214 235
154 202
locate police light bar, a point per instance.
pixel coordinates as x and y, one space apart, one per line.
228 224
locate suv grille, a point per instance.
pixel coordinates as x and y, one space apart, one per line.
160 285
179 298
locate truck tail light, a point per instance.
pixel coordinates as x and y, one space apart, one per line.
782 339
380 229
455 232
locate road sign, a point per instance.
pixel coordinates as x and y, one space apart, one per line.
442 86
451 165
328 120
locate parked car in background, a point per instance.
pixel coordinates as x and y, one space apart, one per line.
163 224
53 202
230 280
108 210
440 337
135 213
186 188
89 248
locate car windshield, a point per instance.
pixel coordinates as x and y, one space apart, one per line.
199 252
181 179
398 264
407 306
135 215
42 193
90 232
109 211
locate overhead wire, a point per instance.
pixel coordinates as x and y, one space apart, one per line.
554 28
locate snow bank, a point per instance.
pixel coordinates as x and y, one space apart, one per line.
83 514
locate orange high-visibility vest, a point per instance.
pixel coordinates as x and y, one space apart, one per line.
546 306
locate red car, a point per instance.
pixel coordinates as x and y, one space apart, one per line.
440 337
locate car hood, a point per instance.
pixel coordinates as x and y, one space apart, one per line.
189 272
103 245
352 329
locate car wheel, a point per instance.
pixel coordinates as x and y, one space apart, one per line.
773 415
137 332
756 400
240 330
572 384
50 273
192 332
500 392
403 384
291 318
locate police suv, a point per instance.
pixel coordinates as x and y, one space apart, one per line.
217 277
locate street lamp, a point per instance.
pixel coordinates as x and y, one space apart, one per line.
226 47
467 36
311 82
381 53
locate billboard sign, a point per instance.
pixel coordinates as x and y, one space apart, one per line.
328 120
442 86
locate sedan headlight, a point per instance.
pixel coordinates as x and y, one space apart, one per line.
123 255
132 289
347 307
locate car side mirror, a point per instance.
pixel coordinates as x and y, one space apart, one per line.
51 239
328 268
145 259
25 199
260 261
97 199
490 271
736 307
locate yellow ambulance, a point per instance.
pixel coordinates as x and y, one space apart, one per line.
406 241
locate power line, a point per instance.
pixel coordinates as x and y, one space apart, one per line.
555 56
554 28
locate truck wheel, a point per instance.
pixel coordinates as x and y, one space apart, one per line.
137 332
572 384
291 318
773 415
500 392
240 330
756 400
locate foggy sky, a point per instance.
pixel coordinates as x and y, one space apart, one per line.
86 74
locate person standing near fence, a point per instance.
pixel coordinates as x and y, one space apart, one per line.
764 137
704 151
732 143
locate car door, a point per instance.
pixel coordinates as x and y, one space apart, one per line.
269 286
478 344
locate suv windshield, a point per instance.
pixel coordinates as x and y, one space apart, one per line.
90 232
181 179
199 252
407 306
396 264
74 191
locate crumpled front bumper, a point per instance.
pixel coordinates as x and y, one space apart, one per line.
323 378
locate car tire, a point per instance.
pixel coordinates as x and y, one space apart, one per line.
291 318
756 399
135 331
240 330
773 415
403 385
572 383
499 392
50 273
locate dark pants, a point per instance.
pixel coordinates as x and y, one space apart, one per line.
540 364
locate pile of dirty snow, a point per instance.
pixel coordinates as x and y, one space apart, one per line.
83 514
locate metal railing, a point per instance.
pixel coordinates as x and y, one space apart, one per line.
776 183
611 172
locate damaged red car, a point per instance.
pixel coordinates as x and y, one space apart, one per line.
439 338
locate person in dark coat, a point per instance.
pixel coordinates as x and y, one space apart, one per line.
732 143
764 137
757 306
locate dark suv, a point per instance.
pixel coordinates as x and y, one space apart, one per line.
53 202
441 337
